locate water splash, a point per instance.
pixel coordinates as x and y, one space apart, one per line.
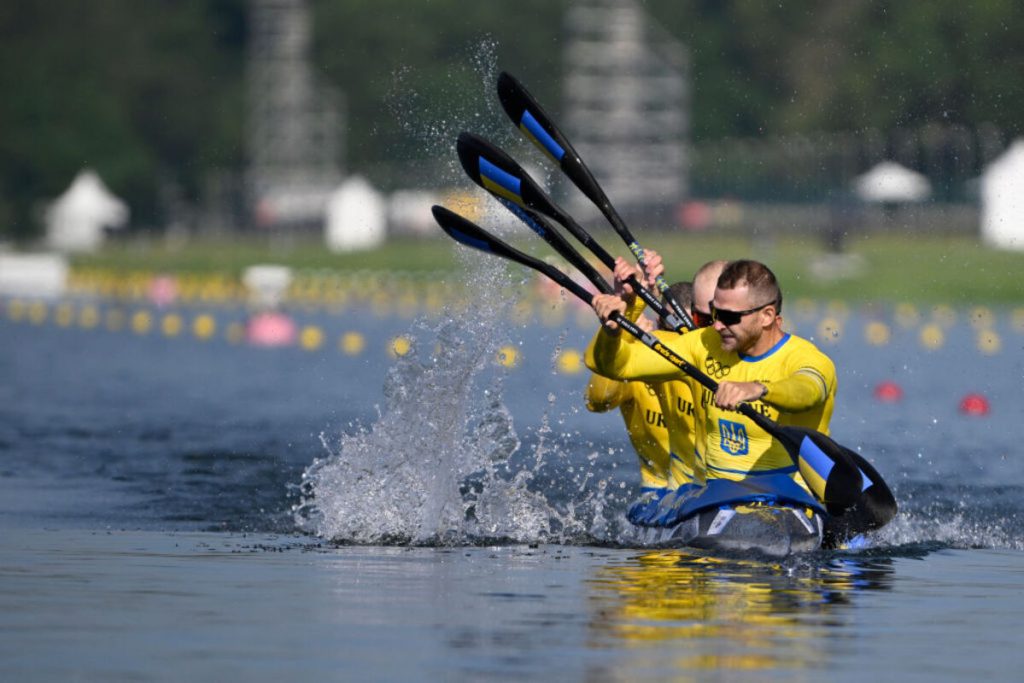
439 466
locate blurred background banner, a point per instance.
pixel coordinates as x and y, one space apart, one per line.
246 117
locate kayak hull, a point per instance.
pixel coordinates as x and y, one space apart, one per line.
771 515
768 529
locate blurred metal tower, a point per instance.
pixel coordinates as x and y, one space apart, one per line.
294 126
627 106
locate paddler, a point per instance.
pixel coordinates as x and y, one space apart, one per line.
753 360
666 457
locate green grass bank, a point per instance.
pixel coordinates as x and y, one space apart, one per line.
875 268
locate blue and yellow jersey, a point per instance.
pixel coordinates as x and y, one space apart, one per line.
645 424
801 384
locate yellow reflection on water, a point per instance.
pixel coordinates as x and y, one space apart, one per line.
683 613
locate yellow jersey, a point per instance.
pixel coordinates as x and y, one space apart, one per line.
645 423
801 385
676 400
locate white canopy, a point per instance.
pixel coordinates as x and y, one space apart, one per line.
76 219
1002 200
891 182
356 217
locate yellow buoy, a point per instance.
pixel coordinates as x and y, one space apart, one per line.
989 342
37 312
1017 320
352 343
877 333
508 356
204 326
171 325
142 321
311 338
399 346
932 336
569 362
16 310
830 330
64 315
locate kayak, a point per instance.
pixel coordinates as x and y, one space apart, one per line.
770 514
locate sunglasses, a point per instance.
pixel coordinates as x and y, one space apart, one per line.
727 317
702 319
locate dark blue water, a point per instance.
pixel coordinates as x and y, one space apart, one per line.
179 495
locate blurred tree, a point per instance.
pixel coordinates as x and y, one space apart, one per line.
414 74
137 91
150 93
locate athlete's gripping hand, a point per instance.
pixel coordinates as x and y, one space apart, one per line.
655 269
623 271
731 394
605 305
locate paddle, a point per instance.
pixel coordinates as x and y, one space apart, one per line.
827 467
537 126
495 171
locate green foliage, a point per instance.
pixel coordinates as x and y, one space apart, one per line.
142 92
151 94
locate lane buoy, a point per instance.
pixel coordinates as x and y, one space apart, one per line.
352 343
508 356
888 392
877 333
271 328
974 404
399 346
569 362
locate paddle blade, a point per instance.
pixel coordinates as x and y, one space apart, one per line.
531 119
470 234
529 116
828 467
498 173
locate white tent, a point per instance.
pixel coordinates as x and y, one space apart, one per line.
356 217
890 182
1002 200
76 219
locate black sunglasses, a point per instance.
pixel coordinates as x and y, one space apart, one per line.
727 317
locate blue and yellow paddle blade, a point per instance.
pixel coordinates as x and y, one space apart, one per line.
828 468
489 168
492 169
527 114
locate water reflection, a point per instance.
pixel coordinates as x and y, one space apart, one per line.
678 612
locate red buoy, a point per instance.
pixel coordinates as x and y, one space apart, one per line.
888 392
974 404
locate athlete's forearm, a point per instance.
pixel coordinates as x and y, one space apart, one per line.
613 354
801 391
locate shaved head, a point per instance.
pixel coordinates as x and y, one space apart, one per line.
704 282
